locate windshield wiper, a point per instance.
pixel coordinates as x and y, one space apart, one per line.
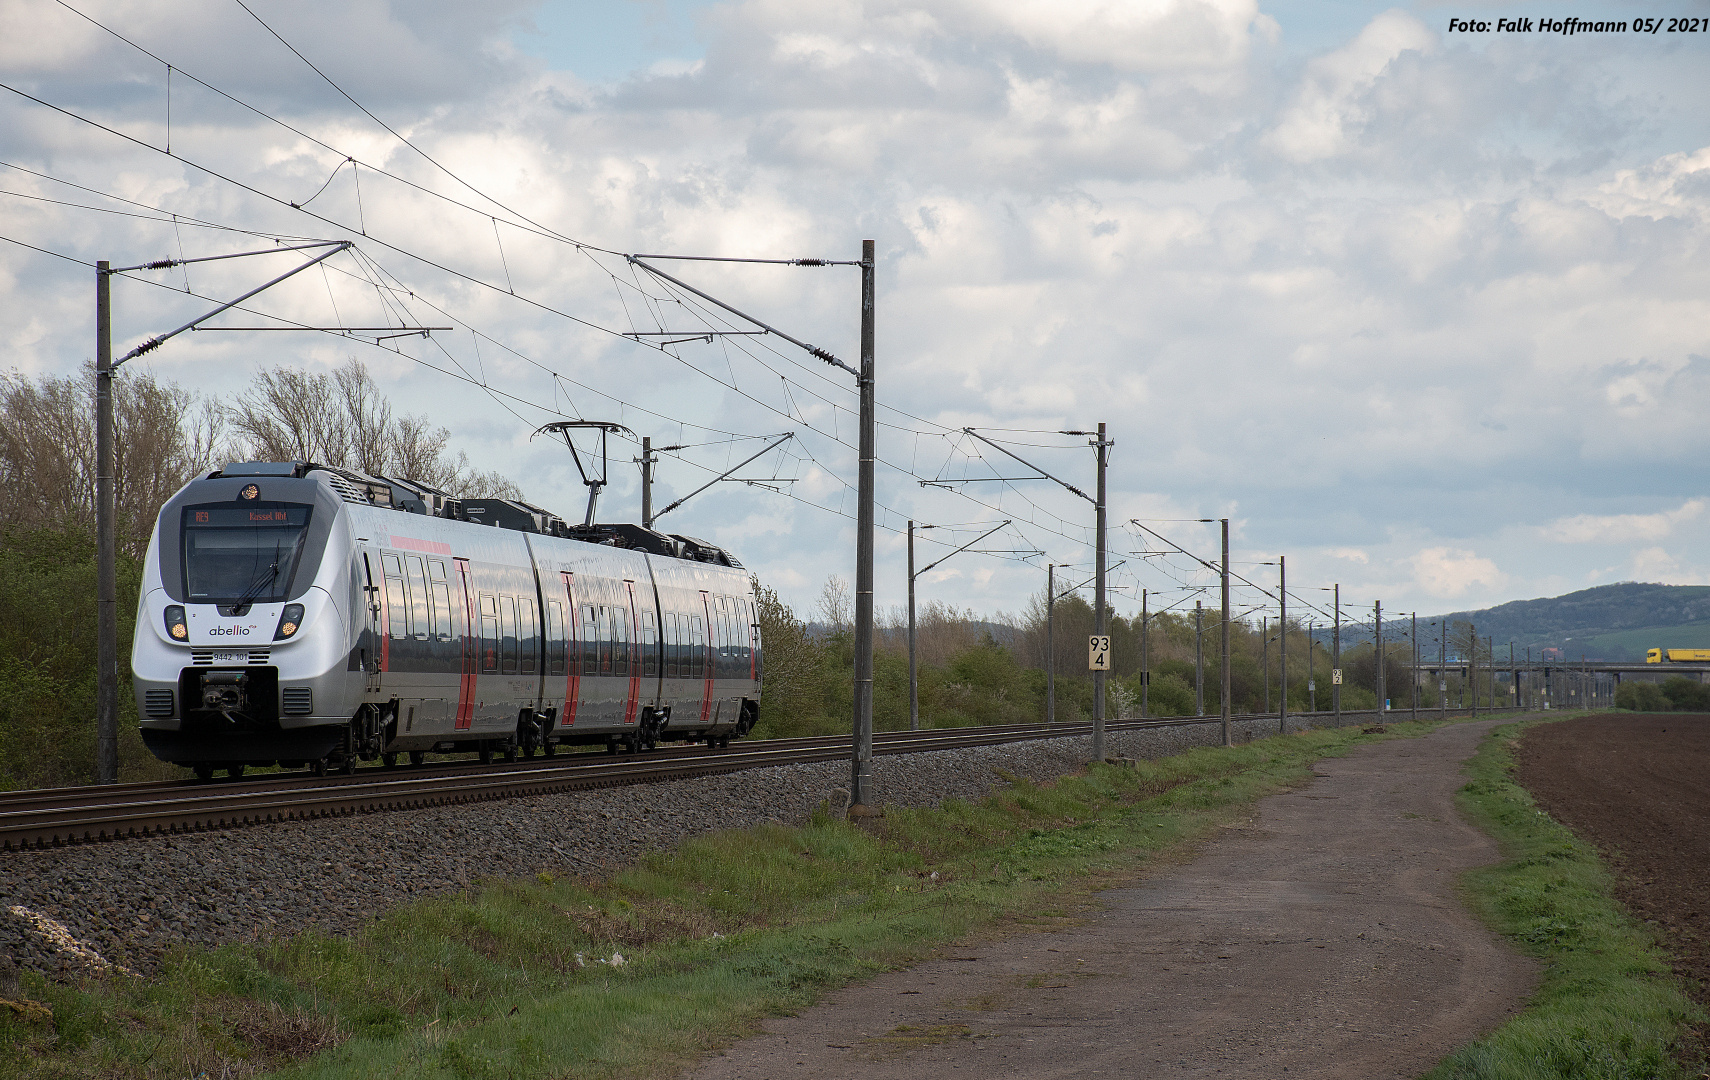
254 590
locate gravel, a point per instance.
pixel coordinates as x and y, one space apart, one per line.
66 912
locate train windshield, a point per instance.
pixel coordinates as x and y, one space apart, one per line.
242 555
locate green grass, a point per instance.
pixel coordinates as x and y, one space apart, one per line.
716 934
1608 1007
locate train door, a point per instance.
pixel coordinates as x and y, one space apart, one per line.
702 648
374 642
572 657
466 669
633 696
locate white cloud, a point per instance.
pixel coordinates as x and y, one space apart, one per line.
1332 104
1443 572
1401 289
1623 528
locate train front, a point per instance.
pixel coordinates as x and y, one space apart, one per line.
245 651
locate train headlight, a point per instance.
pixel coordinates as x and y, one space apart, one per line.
289 620
175 625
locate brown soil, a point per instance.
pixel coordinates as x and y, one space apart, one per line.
1321 937
1637 787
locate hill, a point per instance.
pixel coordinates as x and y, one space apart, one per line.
1609 622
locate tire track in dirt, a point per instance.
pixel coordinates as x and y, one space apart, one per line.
1321 937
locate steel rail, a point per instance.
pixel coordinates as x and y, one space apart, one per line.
55 816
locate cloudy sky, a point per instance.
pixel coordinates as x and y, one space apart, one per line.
1423 309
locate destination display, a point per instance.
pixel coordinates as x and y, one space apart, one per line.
244 517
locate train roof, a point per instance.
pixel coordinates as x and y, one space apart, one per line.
415 497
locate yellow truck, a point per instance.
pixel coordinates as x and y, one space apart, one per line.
1677 656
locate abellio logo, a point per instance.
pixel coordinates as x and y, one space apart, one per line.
234 630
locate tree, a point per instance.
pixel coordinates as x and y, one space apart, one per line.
341 418
163 435
790 696
834 604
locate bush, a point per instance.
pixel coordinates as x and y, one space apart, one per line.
1641 697
1687 695
47 662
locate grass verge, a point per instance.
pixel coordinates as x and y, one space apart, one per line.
639 973
1609 1007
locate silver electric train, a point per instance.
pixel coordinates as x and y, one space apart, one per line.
303 615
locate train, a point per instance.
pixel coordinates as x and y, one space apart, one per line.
1677 656
306 615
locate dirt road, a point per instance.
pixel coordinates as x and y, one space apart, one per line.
1321 938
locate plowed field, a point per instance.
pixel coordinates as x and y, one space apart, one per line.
1638 788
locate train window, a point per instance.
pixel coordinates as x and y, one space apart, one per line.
441 611
555 643
697 649
436 570
393 567
649 645
590 641
680 645
489 633
671 640
620 641
605 631
525 631
726 630
421 621
508 629
397 609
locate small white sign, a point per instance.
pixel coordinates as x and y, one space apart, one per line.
1098 652
1335 676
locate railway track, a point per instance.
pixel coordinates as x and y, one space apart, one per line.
55 816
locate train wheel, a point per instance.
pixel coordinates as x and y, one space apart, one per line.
320 767
203 772
611 746
389 760
235 772
511 751
417 757
548 749
349 766
486 753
